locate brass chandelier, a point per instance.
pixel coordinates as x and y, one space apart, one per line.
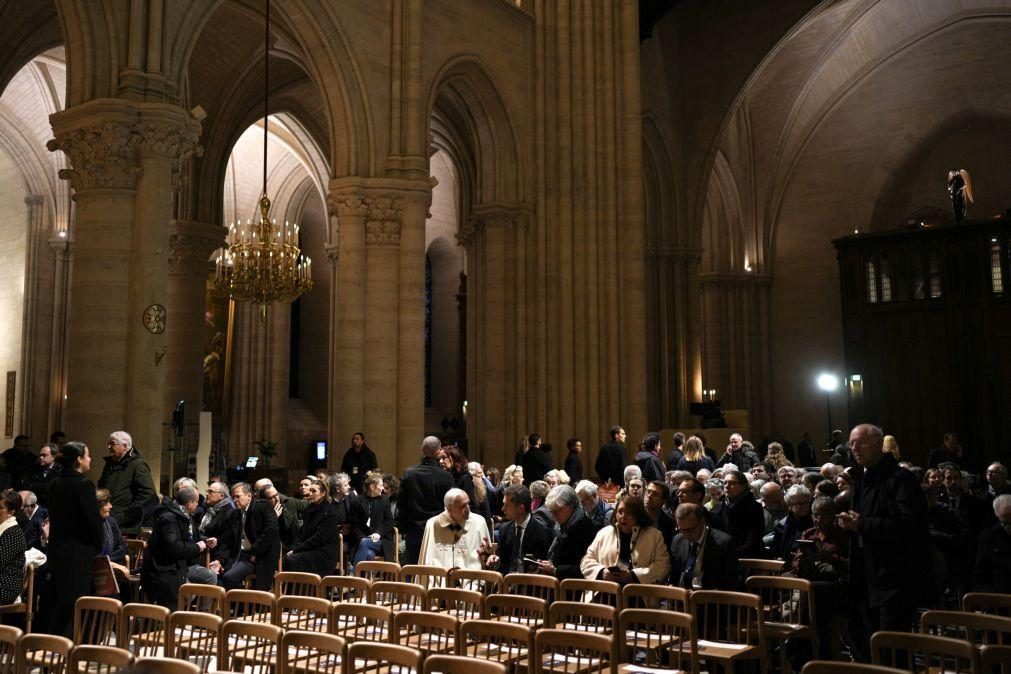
262 263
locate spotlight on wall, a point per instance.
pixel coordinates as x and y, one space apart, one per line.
828 382
855 378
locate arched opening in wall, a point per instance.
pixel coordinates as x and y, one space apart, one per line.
35 235
445 306
264 379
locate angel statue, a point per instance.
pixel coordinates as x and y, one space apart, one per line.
959 189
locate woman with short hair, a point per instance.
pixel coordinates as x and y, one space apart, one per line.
315 548
631 550
12 548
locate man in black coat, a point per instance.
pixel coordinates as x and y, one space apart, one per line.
572 535
46 470
254 542
35 515
657 495
537 460
648 458
741 516
701 557
358 461
422 490
992 572
171 547
521 535
219 508
890 567
611 460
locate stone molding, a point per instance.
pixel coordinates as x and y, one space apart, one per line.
190 246
332 253
675 253
728 279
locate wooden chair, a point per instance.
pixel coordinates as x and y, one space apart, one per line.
45 653
761 567
485 582
99 660
576 616
296 583
457 664
787 610
461 604
532 585
28 600
201 598
96 620
167 666
399 596
501 642
377 571
659 636
396 548
647 595
979 629
348 589
310 653
360 622
995 660
566 652
194 637
250 647
935 654
430 633
994 603
834 667
428 577
730 627
591 592
143 630
250 605
9 637
373 658
529 611
302 613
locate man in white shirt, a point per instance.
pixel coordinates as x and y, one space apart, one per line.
456 537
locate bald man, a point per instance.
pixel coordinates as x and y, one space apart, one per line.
890 561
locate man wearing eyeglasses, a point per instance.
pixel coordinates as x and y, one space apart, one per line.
219 506
702 558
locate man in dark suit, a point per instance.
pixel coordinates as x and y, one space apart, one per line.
35 515
657 495
219 508
702 558
522 535
741 516
254 543
422 490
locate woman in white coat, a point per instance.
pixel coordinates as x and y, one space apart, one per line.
629 551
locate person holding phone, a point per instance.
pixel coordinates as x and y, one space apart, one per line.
629 551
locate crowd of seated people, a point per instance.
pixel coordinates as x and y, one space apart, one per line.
690 528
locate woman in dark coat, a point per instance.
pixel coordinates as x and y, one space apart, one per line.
12 548
372 522
75 535
315 549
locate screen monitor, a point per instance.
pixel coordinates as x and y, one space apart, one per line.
252 461
321 450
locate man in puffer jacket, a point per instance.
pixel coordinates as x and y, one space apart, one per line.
128 479
171 548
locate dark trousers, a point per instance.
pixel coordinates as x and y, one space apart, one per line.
235 576
412 540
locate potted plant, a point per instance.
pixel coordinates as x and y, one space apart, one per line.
268 449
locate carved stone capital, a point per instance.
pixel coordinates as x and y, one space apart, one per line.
175 141
485 218
346 204
332 252
104 156
190 246
382 219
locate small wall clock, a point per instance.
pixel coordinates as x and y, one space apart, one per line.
154 319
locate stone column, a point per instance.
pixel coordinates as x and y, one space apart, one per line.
63 253
124 156
346 252
190 246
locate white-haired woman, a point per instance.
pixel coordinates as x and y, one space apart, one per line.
789 529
